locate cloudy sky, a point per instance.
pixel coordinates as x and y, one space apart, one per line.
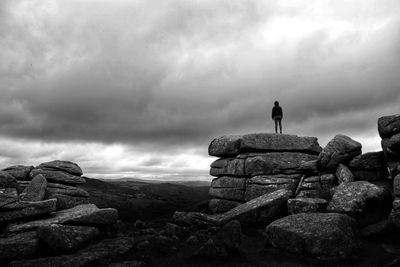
140 88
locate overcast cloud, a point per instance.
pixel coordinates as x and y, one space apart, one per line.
139 88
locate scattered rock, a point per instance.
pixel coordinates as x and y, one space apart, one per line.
28 209
35 190
303 205
62 165
341 149
57 176
19 245
343 174
19 172
222 205
326 236
65 238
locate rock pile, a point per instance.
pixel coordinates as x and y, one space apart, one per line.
43 209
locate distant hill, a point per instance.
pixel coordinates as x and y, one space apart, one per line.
141 200
192 183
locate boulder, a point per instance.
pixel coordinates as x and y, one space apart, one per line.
62 165
27 209
326 236
256 190
35 190
197 219
7 181
83 214
343 174
18 246
102 252
228 167
67 201
64 238
370 175
279 143
19 172
389 125
227 193
341 149
225 146
54 188
55 176
276 163
303 205
390 148
229 182
8 196
368 161
225 242
222 205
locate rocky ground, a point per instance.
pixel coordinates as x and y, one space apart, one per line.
277 200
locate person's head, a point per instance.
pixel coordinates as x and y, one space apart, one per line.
276 103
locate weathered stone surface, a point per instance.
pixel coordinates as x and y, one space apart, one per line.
54 188
18 245
64 237
361 175
312 193
67 201
390 154
228 167
195 219
389 125
7 181
100 252
396 185
355 197
317 186
229 182
327 236
276 163
35 190
279 143
343 174
394 218
19 172
376 229
83 213
302 205
99 217
62 165
256 190
274 179
224 146
341 149
225 242
28 209
222 205
8 196
227 193
58 176
369 161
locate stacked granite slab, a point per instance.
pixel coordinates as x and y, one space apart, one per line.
389 131
256 164
43 209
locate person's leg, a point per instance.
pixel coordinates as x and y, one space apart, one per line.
280 125
276 125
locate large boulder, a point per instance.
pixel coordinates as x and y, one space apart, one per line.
369 161
370 175
326 236
7 181
302 205
64 238
224 146
222 205
35 190
18 245
19 172
27 209
389 125
62 165
86 214
341 149
56 176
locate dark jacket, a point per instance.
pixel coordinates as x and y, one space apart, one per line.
277 111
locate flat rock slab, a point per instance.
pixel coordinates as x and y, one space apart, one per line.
58 176
28 209
389 125
19 172
227 193
303 205
326 236
217 205
62 165
341 149
256 190
64 237
369 161
82 214
354 197
226 146
229 182
67 201
19 245
100 252
228 167
35 190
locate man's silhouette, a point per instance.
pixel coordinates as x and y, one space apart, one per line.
277 116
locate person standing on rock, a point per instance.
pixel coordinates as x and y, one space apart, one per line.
277 116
